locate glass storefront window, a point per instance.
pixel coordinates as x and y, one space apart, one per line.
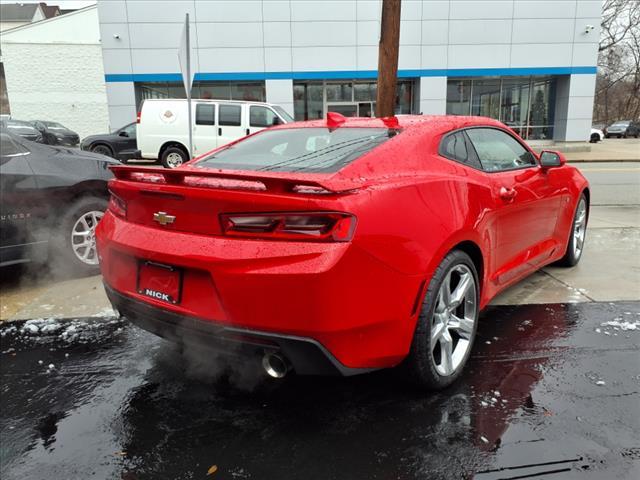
339 92
365 92
485 98
515 103
458 95
248 91
349 98
541 113
212 90
523 103
403 98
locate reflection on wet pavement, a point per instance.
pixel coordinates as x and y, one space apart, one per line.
550 389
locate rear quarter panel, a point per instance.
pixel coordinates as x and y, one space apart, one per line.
411 224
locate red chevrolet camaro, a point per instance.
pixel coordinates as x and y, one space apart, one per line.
340 245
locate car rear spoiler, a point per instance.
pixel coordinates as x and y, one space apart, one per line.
272 181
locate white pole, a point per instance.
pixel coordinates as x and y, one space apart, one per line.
188 39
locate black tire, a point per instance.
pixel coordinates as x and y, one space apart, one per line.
102 149
171 153
595 138
607 136
62 256
572 255
420 365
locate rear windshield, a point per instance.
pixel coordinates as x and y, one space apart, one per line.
308 150
19 125
53 125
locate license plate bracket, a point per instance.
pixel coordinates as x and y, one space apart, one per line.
159 281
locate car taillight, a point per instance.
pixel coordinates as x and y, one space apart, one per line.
312 226
138 117
117 206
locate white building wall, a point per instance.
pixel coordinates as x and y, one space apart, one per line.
65 84
313 39
280 92
54 71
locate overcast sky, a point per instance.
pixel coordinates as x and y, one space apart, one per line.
64 4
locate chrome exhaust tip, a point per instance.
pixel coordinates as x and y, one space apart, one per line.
275 365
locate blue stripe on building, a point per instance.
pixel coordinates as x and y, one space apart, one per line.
350 74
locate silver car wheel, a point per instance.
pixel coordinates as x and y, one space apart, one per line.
453 320
579 228
174 160
83 237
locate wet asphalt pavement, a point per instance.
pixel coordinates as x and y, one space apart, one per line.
119 403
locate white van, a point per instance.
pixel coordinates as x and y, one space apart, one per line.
162 126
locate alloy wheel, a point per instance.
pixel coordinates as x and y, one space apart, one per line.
453 320
174 160
579 228
102 150
83 237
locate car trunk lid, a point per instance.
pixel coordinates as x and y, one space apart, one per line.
192 199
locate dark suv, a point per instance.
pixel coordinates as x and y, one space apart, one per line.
54 133
623 128
120 144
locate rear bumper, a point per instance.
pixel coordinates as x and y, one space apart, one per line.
334 294
70 141
307 356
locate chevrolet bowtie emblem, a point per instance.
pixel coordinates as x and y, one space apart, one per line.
163 218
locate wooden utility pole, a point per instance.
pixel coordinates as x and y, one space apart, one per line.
388 58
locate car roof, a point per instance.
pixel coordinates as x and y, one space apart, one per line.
208 100
432 123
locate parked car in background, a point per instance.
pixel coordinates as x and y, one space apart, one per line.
362 243
22 129
51 199
163 126
120 144
596 135
54 133
623 128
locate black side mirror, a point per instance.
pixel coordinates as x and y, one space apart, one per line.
123 134
549 159
277 121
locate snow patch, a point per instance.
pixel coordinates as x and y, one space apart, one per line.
621 324
69 331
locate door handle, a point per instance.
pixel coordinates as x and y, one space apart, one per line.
219 131
508 194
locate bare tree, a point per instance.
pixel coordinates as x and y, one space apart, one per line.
619 17
618 77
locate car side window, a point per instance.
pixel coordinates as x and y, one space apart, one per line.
230 115
261 116
499 151
130 129
455 147
205 114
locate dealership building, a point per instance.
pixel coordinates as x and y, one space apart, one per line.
530 64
